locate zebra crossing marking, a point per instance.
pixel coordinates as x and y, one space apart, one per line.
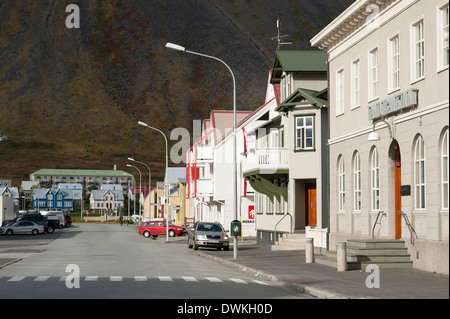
142 279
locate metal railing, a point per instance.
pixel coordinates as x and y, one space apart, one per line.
290 226
376 222
411 229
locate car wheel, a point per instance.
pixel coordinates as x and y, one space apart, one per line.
35 232
147 234
9 232
50 230
68 225
195 247
171 233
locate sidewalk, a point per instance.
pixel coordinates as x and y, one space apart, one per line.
289 268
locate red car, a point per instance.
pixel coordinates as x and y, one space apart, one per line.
155 228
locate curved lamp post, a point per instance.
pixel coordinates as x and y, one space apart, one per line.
149 183
166 187
180 48
140 188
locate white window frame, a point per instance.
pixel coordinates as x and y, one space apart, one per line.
420 178
415 45
374 180
442 36
444 170
373 74
340 92
357 190
341 184
394 63
300 133
356 83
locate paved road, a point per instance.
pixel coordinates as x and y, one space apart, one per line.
114 262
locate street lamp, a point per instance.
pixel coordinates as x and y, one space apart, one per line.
180 48
374 136
166 205
140 180
149 181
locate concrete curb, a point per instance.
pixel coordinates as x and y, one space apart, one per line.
312 291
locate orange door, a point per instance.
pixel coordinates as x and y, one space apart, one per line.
311 205
398 197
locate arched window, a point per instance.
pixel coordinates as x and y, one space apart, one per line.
341 184
444 170
419 174
375 180
357 183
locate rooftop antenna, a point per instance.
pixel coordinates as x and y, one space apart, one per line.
280 37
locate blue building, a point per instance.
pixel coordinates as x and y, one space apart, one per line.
52 199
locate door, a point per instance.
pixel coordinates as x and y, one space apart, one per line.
311 205
398 197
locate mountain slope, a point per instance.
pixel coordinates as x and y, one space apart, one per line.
73 97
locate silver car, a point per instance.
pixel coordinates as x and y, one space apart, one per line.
22 227
205 234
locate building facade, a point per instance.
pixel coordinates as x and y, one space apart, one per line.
389 110
87 178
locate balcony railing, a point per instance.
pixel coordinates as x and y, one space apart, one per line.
267 160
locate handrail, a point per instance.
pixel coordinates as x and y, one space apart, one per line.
411 229
280 222
376 222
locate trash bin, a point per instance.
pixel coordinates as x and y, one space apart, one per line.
235 228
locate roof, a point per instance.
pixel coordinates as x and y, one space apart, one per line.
305 97
39 193
98 194
83 172
223 122
298 61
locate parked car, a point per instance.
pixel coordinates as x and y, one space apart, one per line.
55 215
22 227
49 225
206 234
67 221
158 227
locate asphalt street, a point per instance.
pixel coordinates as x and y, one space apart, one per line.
94 261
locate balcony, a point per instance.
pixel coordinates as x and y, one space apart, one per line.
267 161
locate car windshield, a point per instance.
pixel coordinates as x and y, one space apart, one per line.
209 227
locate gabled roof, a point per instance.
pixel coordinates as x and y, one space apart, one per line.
39 193
305 97
97 194
298 61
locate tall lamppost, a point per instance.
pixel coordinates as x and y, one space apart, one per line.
149 183
140 181
166 188
180 48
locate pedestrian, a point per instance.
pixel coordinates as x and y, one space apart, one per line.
121 220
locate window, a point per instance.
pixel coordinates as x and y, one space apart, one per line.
357 183
419 173
419 50
340 92
375 180
394 78
373 74
341 184
444 170
443 36
286 86
355 84
304 133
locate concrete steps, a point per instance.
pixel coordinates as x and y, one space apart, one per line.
296 241
360 253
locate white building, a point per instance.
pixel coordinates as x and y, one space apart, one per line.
109 198
388 73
